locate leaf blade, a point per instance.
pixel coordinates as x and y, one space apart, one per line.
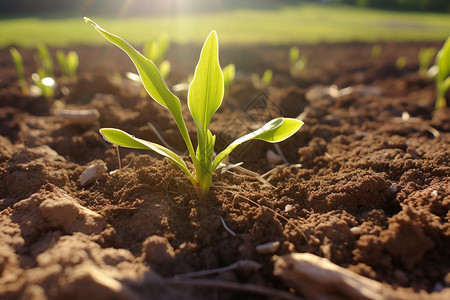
206 89
124 139
274 131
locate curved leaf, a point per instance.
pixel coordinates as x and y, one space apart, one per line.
152 80
206 89
274 131
124 139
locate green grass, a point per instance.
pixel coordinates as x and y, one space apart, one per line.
308 23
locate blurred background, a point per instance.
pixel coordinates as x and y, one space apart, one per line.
59 23
127 8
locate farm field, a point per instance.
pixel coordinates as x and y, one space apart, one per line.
361 193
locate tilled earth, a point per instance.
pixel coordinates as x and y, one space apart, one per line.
365 182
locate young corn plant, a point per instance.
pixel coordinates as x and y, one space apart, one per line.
68 63
264 81
18 63
229 72
425 57
156 50
204 98
45 60
296 63
441 72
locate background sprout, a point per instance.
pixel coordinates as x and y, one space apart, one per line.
425 57
296 63
43 85
156 50
264 81
442 76
18 63
400 63
375 51
229 73
204 98
68 63
45 60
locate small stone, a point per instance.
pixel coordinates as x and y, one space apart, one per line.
355 230
92 173
268 248
288 207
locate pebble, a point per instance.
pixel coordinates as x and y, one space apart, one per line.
355 230
268 248
92 173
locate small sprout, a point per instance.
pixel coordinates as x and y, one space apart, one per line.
296 63
264 81
400 63
204 98
425 57
229 73
164 68
375 51
18 63
267 77
442 74
43 86
68 63
45 60
156 50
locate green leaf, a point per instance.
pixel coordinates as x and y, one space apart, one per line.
229 73
164 68
274 131
153 82
121 138
294 54
206 89
443 60
61 59
267 77
72 63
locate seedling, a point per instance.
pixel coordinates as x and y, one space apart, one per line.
229 73
43 85
375 51
425 57
441 72
45 60
156 50
264 81
400 63
18 63
68 63
296 63
204 98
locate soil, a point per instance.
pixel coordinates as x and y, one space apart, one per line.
365 182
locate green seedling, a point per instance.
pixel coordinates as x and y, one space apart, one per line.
68 63
375 51
264 81
204 98
18 63
296 63
229 73
425 57
156 50
45 60
43 85
400 63
441 72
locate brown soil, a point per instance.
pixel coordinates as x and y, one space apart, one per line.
367 185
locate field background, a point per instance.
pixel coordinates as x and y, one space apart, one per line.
286 23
